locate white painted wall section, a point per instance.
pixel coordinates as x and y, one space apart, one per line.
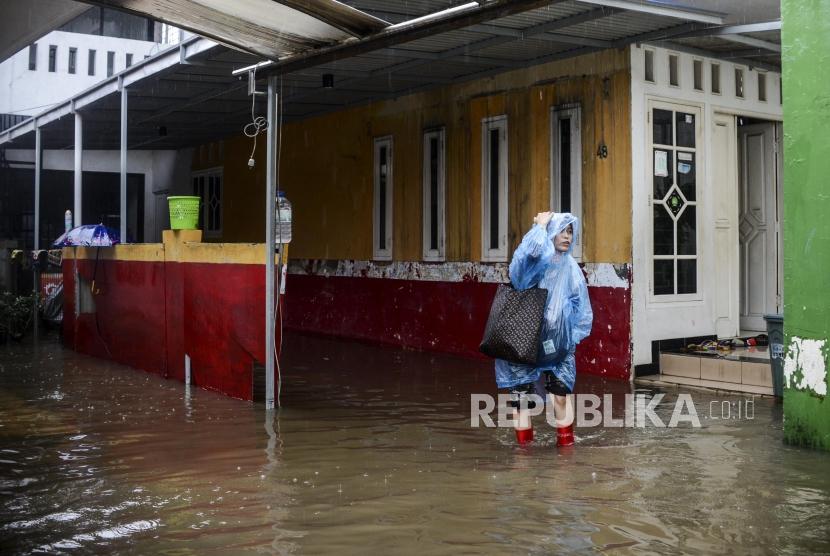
162 170
655 320
27 92
804 367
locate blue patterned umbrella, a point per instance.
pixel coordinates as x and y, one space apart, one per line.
88 235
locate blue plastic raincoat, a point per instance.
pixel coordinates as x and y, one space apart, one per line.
568 314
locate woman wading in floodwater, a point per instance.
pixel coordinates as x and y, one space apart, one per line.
544 259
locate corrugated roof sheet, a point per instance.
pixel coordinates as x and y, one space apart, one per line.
270 28
446 41
523 48
543 15
415 8
621 25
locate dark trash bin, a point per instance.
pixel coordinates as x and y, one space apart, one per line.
775 332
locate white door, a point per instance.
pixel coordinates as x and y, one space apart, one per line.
758 222
725 203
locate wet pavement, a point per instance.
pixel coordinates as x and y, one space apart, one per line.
373 450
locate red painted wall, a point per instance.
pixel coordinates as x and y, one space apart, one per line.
128 324
442 316
149 314
224 324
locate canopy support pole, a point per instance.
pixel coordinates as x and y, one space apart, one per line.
38 167
36 242
270 202
79 153
123 211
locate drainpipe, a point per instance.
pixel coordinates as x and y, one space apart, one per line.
270 191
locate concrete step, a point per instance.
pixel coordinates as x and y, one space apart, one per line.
710 371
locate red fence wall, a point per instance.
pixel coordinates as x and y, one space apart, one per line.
149 314
441 315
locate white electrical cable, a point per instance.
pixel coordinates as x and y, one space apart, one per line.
277 305
257 125
282 261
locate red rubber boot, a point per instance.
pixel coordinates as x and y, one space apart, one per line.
524 436
565 436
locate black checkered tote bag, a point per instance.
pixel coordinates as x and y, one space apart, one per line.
515 324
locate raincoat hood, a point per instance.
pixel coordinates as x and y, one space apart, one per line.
559 222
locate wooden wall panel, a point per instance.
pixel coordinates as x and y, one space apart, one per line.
326 171
326 164
520 159
459 203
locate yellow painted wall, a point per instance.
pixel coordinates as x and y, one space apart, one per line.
326 164
183 246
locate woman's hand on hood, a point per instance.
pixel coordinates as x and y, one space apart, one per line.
543 218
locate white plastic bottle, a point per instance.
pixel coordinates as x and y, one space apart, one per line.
283 219
67 220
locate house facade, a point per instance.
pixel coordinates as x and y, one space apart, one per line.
706 159
406 211
405 217
418 165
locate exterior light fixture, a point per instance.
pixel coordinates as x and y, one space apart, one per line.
328 81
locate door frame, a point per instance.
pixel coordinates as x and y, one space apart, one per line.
726 239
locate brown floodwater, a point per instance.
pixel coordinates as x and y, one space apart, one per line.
372 450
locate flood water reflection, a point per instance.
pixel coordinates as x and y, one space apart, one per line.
372 449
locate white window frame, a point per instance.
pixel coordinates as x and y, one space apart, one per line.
743 73
207 173
32 60
572 112
438 254
52 61
715 68
498 254
676 57
699 62
378 253
700 173
646 52
72 60
761 77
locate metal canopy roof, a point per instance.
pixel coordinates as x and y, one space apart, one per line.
271 28
187 95
25 21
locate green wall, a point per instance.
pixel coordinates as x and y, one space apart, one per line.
806 85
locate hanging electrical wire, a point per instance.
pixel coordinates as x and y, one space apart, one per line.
257 125
280 261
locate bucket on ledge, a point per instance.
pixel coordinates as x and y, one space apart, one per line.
184 212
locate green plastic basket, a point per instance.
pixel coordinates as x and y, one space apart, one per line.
184 212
